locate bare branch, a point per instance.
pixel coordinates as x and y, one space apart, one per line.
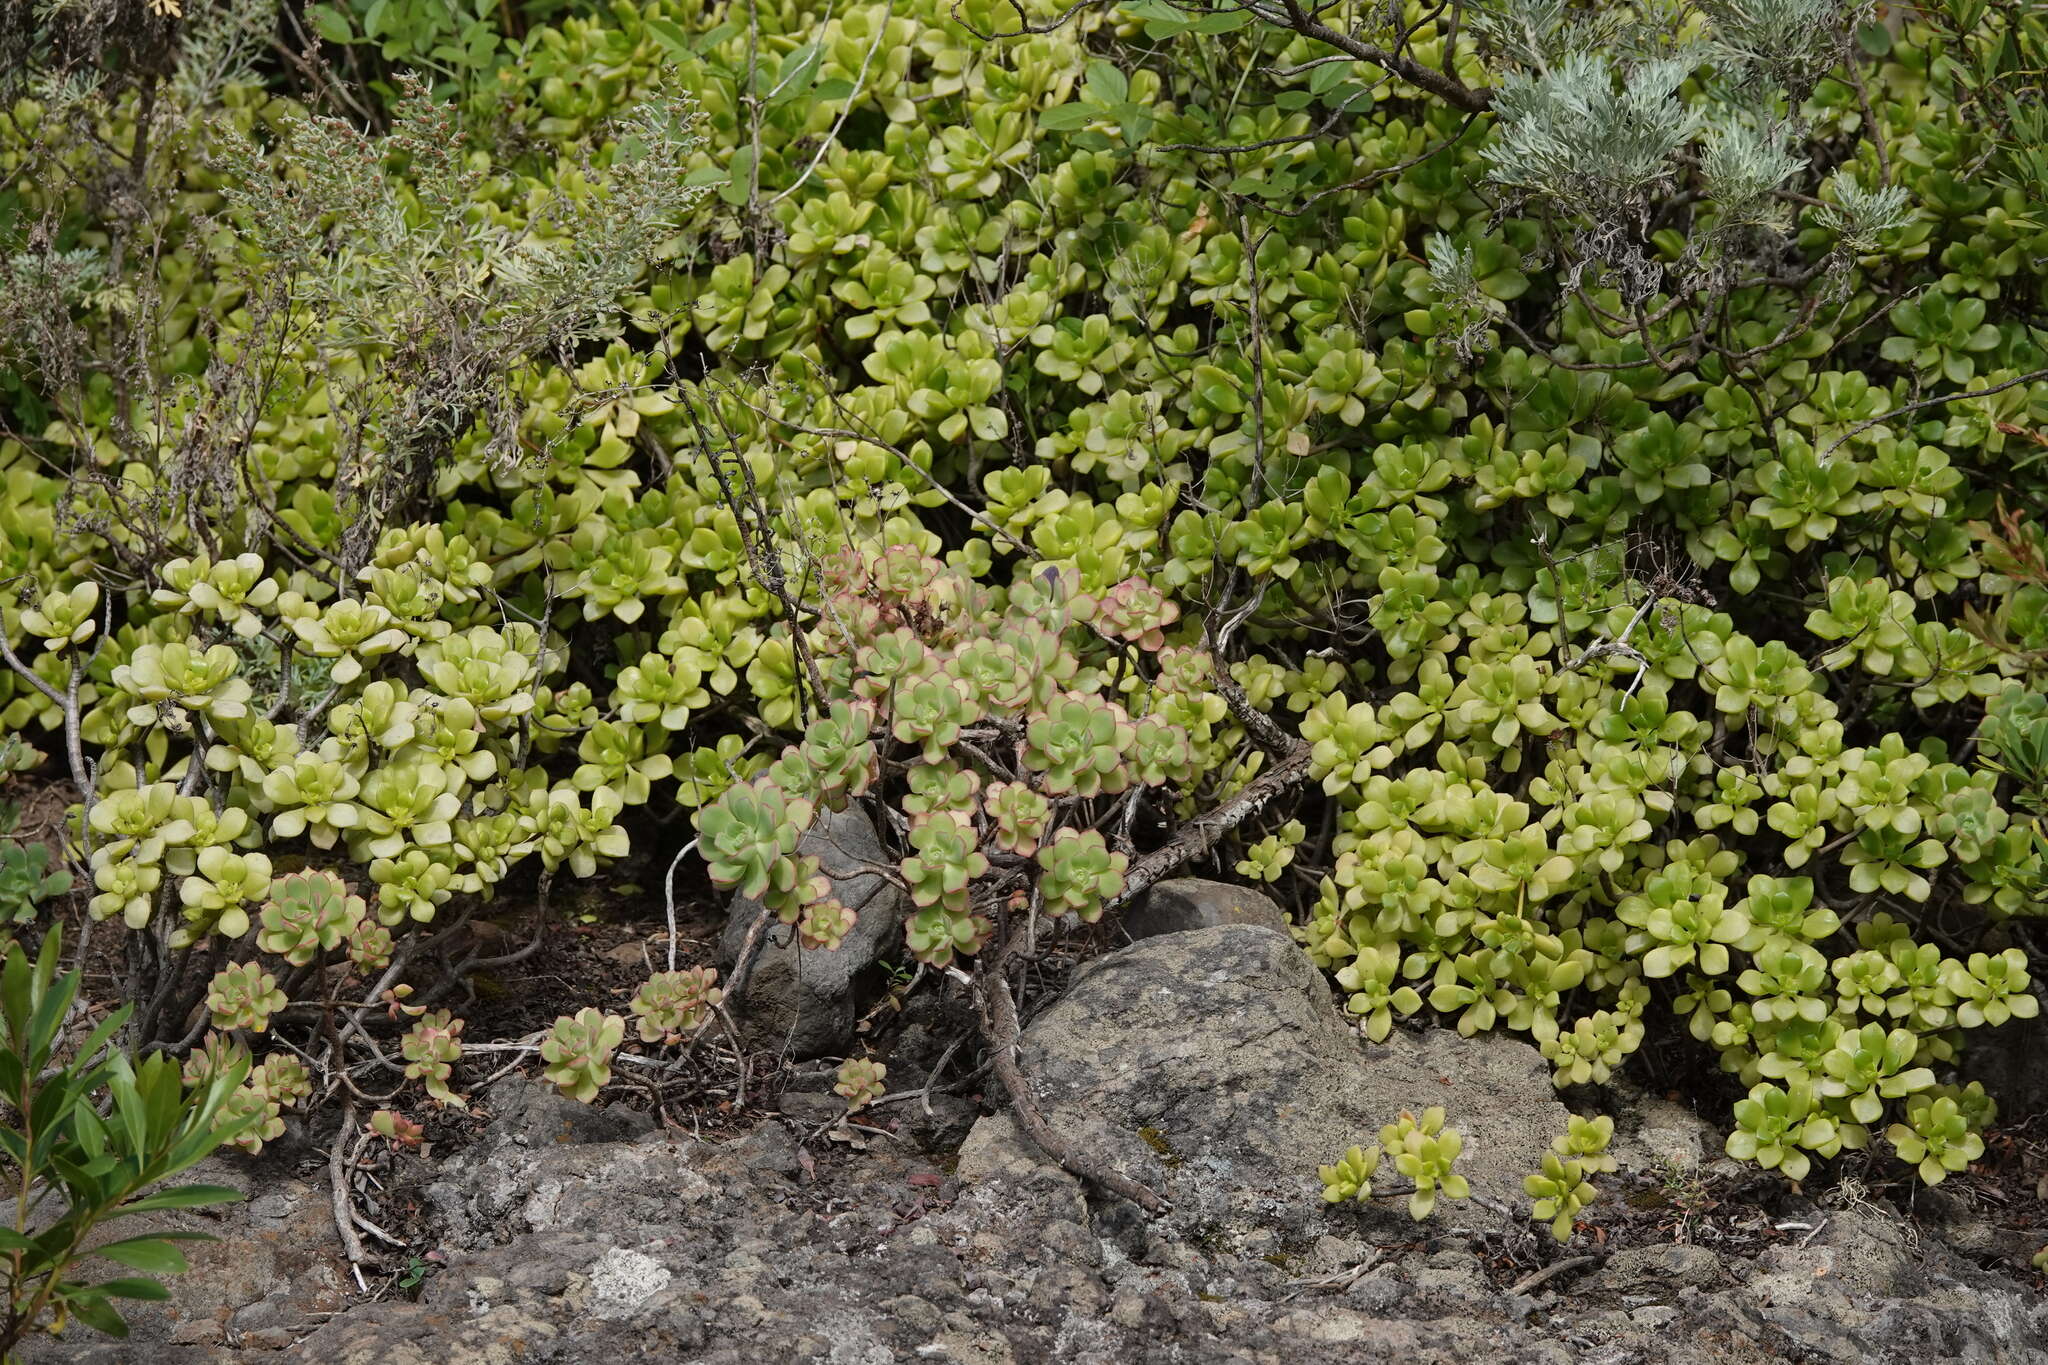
999 1021
1202 833
1882 418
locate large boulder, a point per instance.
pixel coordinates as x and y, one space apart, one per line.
1214 1066
807 999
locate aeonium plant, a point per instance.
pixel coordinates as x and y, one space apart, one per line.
987 776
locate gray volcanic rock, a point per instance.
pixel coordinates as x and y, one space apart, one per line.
807 998
1185 903
1214 1066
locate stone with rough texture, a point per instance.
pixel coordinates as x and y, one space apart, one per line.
808 998
1214 1066
1657 1134
568 1243
1186 903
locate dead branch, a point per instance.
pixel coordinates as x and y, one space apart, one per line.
1202 833
999 1023
337 1174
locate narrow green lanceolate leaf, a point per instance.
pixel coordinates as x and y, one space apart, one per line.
157 1255
181 1197
92 1309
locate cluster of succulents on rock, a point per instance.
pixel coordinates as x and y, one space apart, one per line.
1422 1149
1564 1187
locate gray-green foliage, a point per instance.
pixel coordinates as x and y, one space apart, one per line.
1454 276
1743 164
1599 116
1591 137
1862 213
1788 44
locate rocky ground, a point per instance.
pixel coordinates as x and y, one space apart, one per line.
1210 1063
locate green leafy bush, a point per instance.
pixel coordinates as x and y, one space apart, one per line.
27 880
76 1169
29 876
